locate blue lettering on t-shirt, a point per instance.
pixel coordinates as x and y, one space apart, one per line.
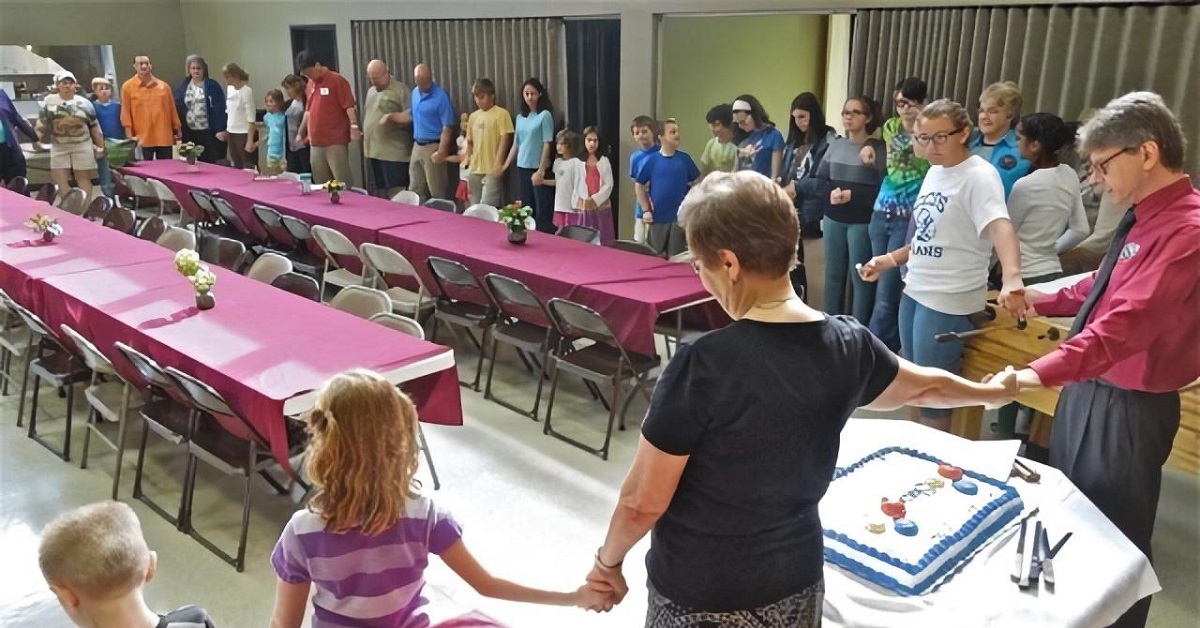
925 220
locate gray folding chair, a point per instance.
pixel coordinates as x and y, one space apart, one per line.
361 301
49 360
74 201
333 244
385 265
442 204
459 293
406 325
269 266
523 323
633 246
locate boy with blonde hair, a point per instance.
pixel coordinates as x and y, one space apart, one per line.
96 562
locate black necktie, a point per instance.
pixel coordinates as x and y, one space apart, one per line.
1105 273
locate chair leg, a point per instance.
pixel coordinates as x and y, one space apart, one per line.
482 351
428 457
550 401
87 437
122 426
29 353
141 461
487 388
33 404
240 562
66 452
6 367
541 377
612 415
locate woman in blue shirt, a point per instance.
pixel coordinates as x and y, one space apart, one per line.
531 149
200 101
760 144
12 159
996 138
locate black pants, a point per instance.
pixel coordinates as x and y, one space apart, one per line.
299 161
214 148
12 163
1112 443
151 153
540 198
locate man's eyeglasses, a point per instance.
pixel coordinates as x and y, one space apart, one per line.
1102 167
936 138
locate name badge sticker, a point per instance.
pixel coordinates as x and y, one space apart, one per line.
1008 162
325 92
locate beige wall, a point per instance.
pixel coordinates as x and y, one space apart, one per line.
153 27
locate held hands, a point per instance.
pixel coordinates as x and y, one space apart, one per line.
1012 298
875 267
356 134
250 146
839 196
648 217
609 582
224 136
537 178
1003 387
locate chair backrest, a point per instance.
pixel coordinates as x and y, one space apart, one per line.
36 326
362 191
361 301
483 211
98 208
400 323
203 212
74 201
18 184
333 243
161 190
514 299
91 355
269 266
152 228
47 193
177 239
408 197
300 285
150 370
454 280
633 246
579 232
120 218
224 252
139 186
272 223
574 320
202 397
298 229
442 204
230 217
387 261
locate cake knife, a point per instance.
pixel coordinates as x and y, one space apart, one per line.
1019 567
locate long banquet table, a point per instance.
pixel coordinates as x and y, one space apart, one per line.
631 291
265 350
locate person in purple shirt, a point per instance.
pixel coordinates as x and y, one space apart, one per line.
365 539
662 181
12 160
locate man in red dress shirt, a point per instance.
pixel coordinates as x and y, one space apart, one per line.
1134 343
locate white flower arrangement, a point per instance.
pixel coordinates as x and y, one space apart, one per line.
187 262
203 280
41 223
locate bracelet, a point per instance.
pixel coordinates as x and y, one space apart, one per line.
895 264
354 126
604 566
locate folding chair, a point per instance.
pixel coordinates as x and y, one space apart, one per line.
361 301
224 252
165 196
407 197
18 184
406 325
201 211
14 340
581 233
177 239
98 208
230 444
47 193
268 267
605 361
304 259
120 218
333 244
74 201
141 191
454 283
152 229
387 266
442 205
523 323
48 359
109 396
483 212
633 246
300 285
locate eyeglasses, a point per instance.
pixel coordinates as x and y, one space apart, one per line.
936 138
904 104
1103 165
853 112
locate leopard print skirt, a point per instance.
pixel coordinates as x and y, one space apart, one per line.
802 610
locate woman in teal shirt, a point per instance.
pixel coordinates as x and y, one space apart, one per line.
531 149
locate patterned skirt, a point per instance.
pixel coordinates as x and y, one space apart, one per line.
802 610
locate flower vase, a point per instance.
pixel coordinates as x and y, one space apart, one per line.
191 160
517 236
47 237
335 197
205 301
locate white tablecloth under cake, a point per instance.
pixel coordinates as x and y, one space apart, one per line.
1099 574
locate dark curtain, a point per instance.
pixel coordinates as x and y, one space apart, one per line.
593 86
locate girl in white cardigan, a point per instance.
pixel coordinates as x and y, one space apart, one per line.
593 187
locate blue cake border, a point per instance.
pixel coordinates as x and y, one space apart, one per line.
858 569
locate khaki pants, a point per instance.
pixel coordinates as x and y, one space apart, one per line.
426 178
486 189
331 162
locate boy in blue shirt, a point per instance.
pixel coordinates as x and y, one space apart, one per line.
276 122
108 115
662 182
644 129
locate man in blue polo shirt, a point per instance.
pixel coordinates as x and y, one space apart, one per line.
433 131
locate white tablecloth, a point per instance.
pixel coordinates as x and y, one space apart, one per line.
1099 574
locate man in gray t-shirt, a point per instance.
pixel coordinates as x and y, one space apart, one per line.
387 129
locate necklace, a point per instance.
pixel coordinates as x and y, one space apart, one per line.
770 305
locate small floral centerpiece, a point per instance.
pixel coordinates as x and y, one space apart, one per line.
190 151
45 225
514 215
335 188
187 262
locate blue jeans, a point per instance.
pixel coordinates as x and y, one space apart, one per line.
918 326
847 244
887 234
107 185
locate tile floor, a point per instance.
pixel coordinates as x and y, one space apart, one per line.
533 509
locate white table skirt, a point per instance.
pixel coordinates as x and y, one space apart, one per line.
1099 573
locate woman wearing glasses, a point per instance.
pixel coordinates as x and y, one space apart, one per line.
959 216
851 177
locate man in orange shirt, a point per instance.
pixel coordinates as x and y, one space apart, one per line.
148 111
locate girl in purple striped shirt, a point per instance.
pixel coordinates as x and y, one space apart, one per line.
365 539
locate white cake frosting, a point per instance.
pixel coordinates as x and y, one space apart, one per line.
950 524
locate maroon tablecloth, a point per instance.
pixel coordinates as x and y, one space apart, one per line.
628 289
84 245
180 177
260 347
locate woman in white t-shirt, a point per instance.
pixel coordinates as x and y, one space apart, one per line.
1045 206
241 127
959 216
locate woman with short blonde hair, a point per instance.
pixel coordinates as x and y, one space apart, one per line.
996 139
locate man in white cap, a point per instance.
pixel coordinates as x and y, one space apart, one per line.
68 122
